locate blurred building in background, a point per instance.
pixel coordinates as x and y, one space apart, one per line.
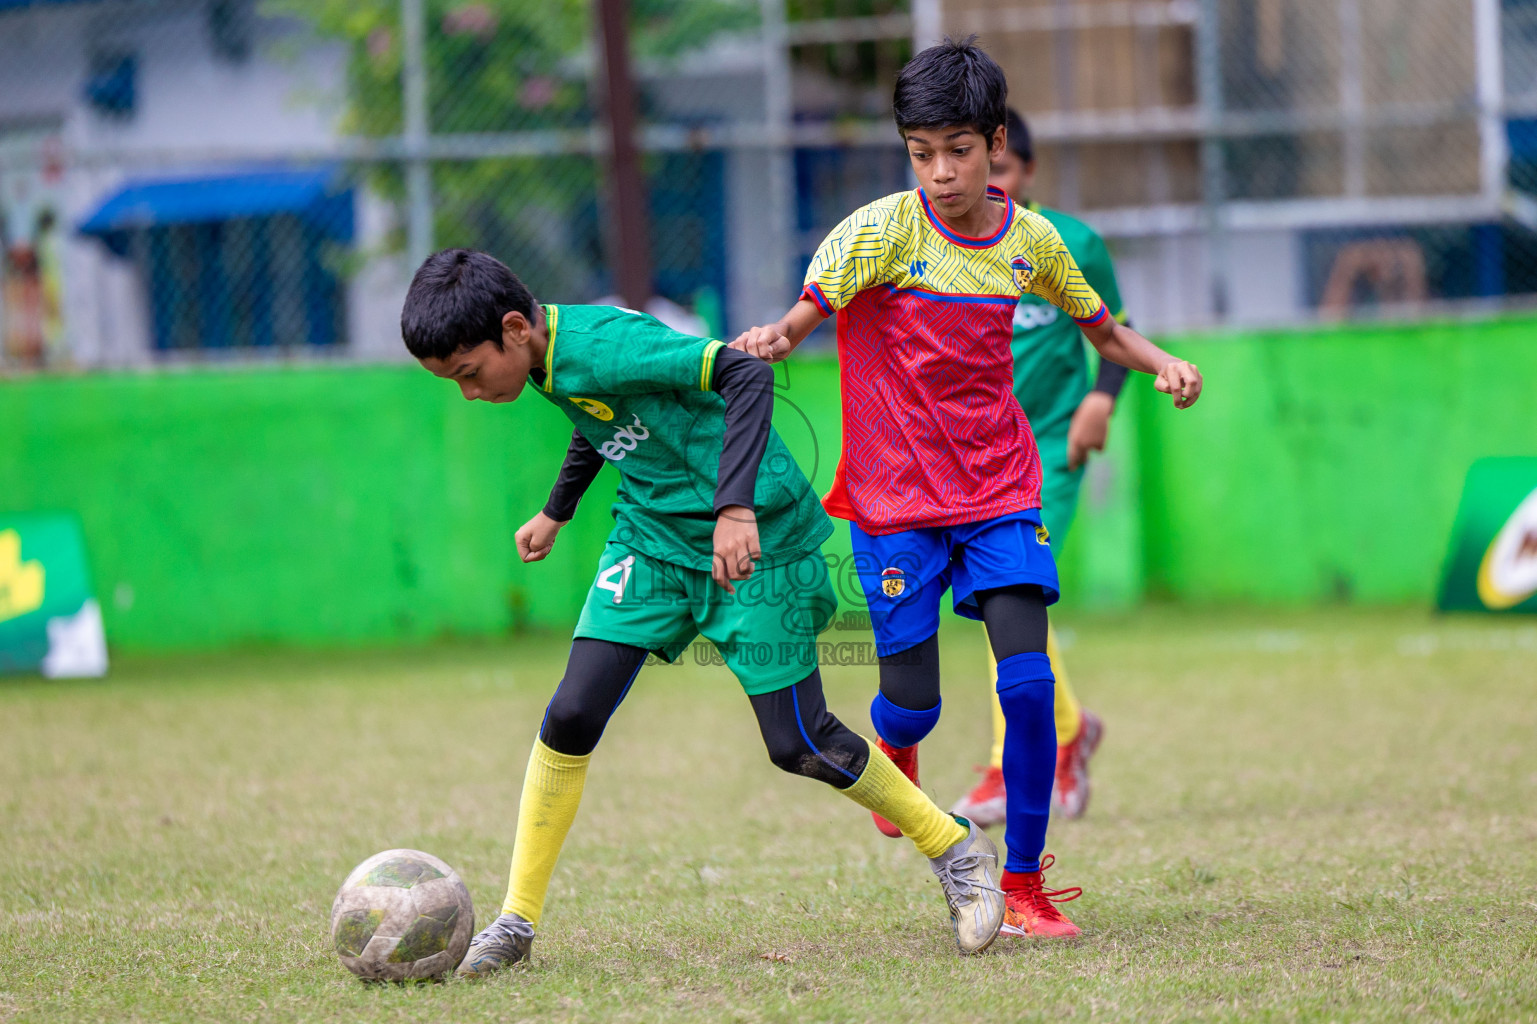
192 179
1271 160
169 183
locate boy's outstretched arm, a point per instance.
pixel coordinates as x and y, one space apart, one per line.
773 342
536 537
747 386
1120 344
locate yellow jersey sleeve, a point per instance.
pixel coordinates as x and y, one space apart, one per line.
856 255
1058 280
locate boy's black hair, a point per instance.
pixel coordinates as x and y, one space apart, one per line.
953 83
1019 136
457 300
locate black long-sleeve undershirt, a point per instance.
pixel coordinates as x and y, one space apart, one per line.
576 475
746 383
1111 376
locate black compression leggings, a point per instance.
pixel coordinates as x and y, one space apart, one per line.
802 736
1016 624
598 675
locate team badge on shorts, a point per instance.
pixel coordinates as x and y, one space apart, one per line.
893 582
1041 536
594 407
1024 273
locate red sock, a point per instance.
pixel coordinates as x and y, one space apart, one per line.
1014 881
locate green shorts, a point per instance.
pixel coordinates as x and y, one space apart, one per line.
1059 488
766 633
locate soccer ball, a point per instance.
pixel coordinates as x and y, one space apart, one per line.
402 915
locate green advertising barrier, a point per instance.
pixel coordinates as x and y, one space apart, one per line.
345 504
1492 565
1324 467
49 620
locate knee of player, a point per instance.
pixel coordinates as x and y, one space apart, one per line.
902 727
571 722
837 758
1026 680
790 754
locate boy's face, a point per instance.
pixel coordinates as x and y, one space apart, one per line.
490 374
1013 175
952 166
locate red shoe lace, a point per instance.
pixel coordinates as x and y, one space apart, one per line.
1042 899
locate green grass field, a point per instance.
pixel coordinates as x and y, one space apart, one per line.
1321 816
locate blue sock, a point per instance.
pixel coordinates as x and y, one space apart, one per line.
1027 691
900 727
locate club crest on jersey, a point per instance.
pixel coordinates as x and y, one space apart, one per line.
1041 536
893 582
594 407
1024 272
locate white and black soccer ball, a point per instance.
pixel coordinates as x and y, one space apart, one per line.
402 915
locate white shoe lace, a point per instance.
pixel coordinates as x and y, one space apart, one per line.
953 877
505 932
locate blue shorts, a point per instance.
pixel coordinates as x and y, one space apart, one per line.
904 575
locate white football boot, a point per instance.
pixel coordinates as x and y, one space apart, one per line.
505 943
968 873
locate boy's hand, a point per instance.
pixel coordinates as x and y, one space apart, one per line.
1090 427
767 343
736 545
1180 379
536 537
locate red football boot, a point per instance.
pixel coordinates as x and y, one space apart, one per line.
986 803
906 760
1030 909
1070 789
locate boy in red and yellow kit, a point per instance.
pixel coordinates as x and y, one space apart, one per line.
939 475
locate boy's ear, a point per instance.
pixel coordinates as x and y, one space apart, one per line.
998 143
516 330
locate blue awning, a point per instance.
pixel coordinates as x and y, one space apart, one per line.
6 5
318 195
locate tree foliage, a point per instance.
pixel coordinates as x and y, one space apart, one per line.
503 66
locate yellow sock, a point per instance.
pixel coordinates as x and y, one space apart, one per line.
883 788
1069 716
1000 724
552 790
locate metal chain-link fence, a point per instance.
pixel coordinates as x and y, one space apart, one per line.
1274 161
245 178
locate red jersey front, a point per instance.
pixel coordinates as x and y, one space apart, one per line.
932 432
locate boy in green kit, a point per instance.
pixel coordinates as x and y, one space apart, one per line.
717 532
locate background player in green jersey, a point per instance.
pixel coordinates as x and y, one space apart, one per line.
1070 419
716 532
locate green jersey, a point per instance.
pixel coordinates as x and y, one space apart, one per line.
640 393
1051 366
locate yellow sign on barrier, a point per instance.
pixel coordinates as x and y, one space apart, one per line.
49 620
21 583
1492 565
